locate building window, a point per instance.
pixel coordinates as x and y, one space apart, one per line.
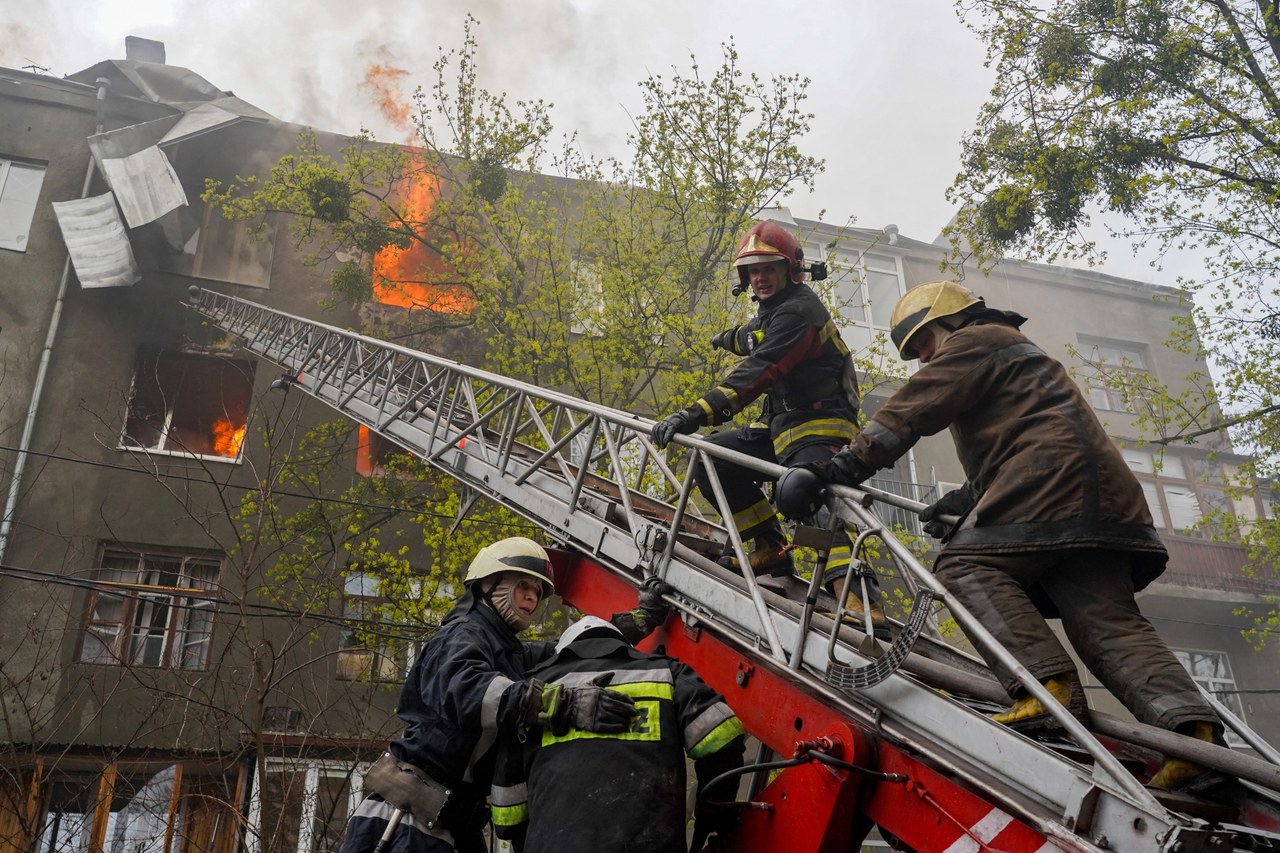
367 649
19 189
302 806
159 613
1115 373
202 243
865 288
1212 671
188 403
377 456
1186 495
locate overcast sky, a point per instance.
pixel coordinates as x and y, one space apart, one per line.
895 83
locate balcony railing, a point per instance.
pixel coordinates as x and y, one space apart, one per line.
915 491
1213 565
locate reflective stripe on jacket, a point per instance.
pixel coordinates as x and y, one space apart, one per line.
583 791
794 354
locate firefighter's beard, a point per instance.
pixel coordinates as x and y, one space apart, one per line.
503 599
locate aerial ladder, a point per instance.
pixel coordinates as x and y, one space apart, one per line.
856 733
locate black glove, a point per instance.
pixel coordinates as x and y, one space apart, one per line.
712 825
651 599
843 469
590 708
681 423
726 340
955 502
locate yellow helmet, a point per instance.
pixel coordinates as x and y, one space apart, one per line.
922 305
517 554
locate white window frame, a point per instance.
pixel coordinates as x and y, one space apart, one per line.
1214 685
1128 357
128 442
313 770
10 205
391 667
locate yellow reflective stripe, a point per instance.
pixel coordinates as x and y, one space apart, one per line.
647 689
716 740
837 428
758 334
831 334
647 726
839 557
706 409
730 395
509 815
756 514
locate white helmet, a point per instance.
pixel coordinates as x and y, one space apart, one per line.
585 625
516 554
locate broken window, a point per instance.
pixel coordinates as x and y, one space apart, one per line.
202 243
189 403
19 188
377 456
157 610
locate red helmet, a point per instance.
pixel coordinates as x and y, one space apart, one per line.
766 242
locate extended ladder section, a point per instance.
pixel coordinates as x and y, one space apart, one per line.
591 478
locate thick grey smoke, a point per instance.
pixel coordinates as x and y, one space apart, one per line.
894 84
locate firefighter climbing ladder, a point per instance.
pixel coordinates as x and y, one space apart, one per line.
590 477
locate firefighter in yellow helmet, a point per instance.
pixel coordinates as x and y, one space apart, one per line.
467 689
792 354
1053 524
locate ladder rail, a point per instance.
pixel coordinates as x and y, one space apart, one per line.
445 420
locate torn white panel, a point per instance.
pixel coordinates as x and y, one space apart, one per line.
145 184
199 119
124 141
96 240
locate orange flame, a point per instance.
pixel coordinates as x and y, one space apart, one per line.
227 438
399 272
384 82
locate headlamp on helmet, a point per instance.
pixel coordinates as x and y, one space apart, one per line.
767 243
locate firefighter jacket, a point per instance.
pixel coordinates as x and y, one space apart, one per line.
792 352
593 792
466 686
1044 473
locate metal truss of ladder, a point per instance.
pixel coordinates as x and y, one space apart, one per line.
590 477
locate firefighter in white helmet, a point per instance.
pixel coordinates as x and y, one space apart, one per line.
557 792
792 354
1053 524
466 689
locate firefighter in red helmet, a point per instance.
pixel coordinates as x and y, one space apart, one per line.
792 354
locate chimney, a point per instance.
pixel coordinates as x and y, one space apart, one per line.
143 50
891 232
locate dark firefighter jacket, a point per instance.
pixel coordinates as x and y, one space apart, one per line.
1044 473
793 352
466 685
591 792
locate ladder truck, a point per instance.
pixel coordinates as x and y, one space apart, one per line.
866 734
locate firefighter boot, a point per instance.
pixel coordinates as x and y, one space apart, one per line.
854 615
1028 716
769 556
1178 774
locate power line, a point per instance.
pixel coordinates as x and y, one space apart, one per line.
338 501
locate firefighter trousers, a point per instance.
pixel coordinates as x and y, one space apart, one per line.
1091 591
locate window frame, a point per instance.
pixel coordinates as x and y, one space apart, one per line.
312 770
6 172
1176 474
1213 685
178 603
1133 361
136 420
388 663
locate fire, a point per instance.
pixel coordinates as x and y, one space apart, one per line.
399 273
228 438
384 82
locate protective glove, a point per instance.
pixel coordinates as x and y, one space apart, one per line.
955 502
681 423
590 708
726 340
843 469
712 825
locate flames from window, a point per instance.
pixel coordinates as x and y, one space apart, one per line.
227 438
400 274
